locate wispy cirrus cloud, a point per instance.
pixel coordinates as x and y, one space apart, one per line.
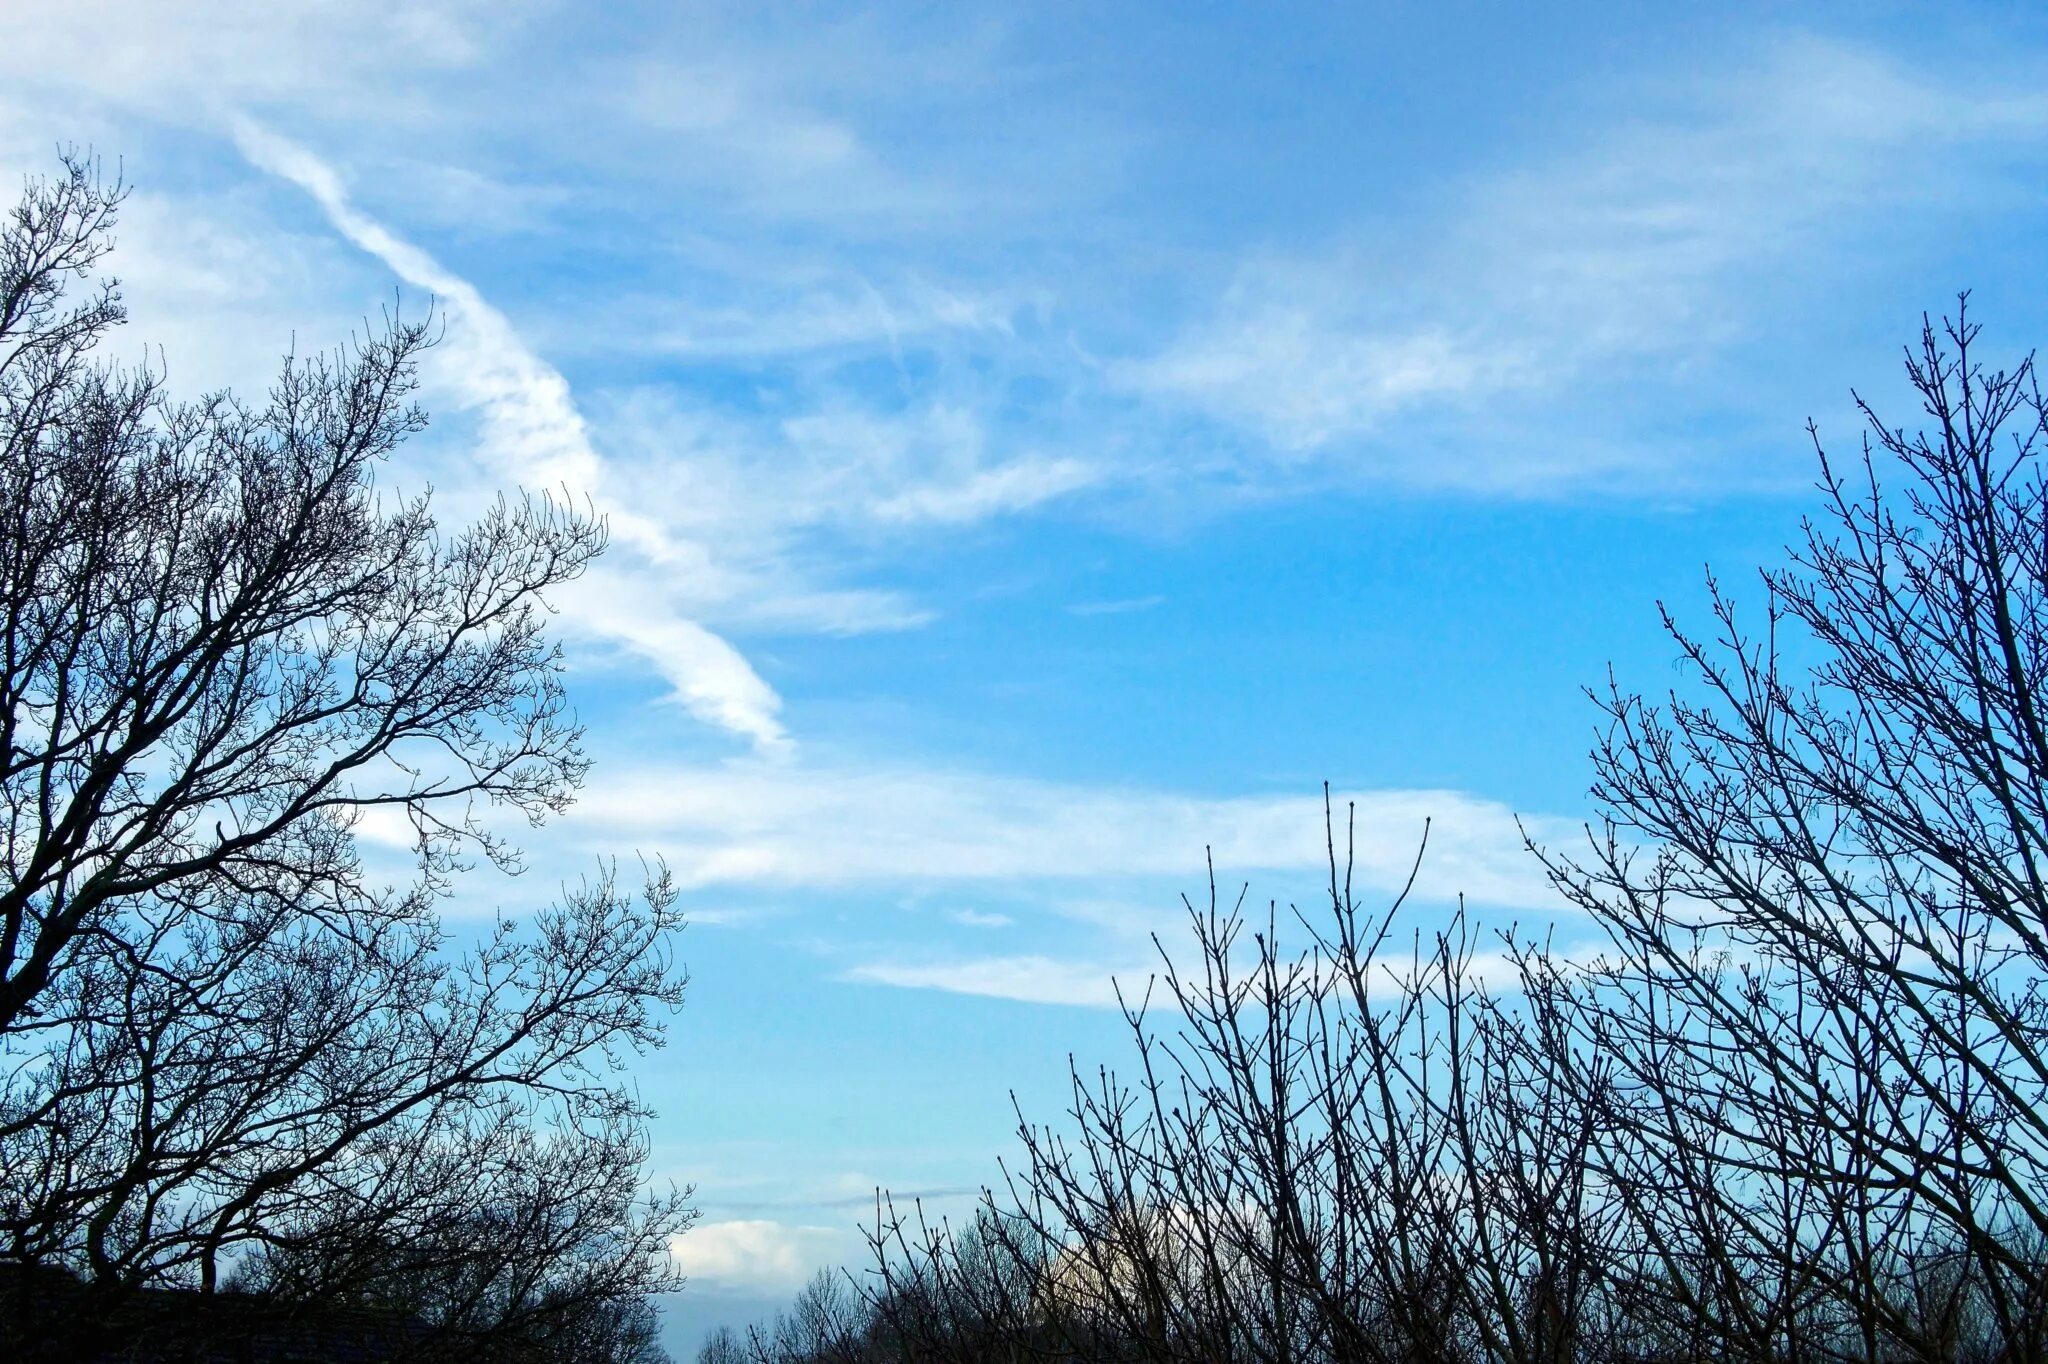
1016 486
820 315
776 497
820 195
1084 874
1132 982
752 823
361 58
1025 979
1650 241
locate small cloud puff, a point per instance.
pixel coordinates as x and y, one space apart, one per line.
756 1254
975 918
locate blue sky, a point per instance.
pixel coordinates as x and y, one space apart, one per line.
1042 442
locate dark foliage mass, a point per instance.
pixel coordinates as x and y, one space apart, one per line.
1794 1107
234 1059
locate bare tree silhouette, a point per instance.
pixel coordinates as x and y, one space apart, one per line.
1794 1107
227 1048
1822 879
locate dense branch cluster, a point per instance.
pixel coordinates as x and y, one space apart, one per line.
1793 1107
232 1054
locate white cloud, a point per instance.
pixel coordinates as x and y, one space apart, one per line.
218 296
931 465
533 433
1013 487
183 63
756 1254
730 512
776 498
782 174
822 312
1029 979
1648 241
1306 377
796 824
791 122
711 678
1101 984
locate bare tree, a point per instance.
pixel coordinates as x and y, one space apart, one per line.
1350 1151
226 1046
1822 872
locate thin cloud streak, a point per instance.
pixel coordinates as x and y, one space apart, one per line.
1023 979
1098 984
533 433
757 1254
803 825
